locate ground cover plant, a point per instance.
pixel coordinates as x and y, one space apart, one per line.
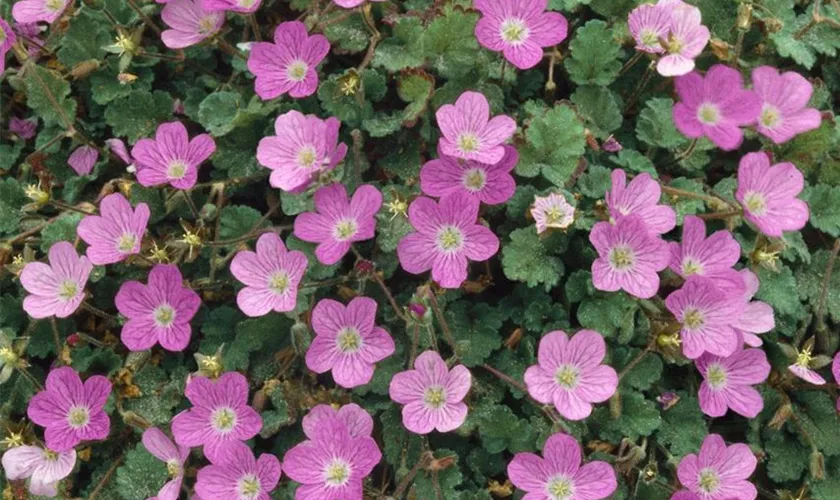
421 249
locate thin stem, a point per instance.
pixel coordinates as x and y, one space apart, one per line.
233 181
415 340
106 478
230 49
636 360
255 27
68 123
506 378
630 63
358 143
631 101
98 312
319 284
191 204
146 19
690 194
63 206
447 333
374 37
35 230
56 339
397 309
720 215
28 376
550 414
424 462
821 329
49 143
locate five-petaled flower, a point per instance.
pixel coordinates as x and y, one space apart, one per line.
117 232
784 100
33 11
171 157
56 289
719 472
490 184
768 194
727 382
237 475
189 23
43 468
552 211
174 456
289 64
468 131
640 197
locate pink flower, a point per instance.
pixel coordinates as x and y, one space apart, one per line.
697 255
719 472
519 29
802 367
82 159
32 11
188 23
686 39
118 147
32 33
559 474
304 147
237 475
446 236
641 197
271 276
220 417
784 98
174 456
241 6
115 234
707 315
648 25
629 257
757 316
685 495
71 411
349 4
56 289
835 372
159 312
715 106
569 373
768 195
469 133
339 222
24 129
289 64
171 157
433 394
359 422
727 382
552 211
490 184
43 467
347 342
332 463
7 39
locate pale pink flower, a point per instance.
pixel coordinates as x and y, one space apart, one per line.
171 157
33 11
174 456
32 33
768 195
82 159
569 373
558 475
519 29
159 312
468 131
446 236
56 289
648 25
71 411
289 64
490 184
220 416
757 317
189 23
240 6
42 467
801 367
118 148
629 257
433 394
711 257
347 341
117 232
641 197
715 106
271 276
727 382
359 422
338 222
835 372
685 41
7 39
305 146
349 4
784 98
23 129
237 475
332 463
552 211
719 472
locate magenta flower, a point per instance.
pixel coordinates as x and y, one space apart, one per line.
115 234
768 195
43 467
552 211
686 40
240 6
174 456
359 422
24 129
629 257
835 372
559 475
71 411
433 394
349 4
490 184
304 147
188 23
7 39
33 11
685 495
289 64
648 25
118 148
784 98
757 316
332 463
715 106
82 159
446 236
727 382
469 133
171 157
569 373
220 417
519 29
237 475
271 276
338 222
641 197
347 342
56 289
707 315
697 255
159 312
719 472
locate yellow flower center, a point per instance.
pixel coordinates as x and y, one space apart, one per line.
649 38
674 45
770 116
514 31
709 481
345 229
297 71
173 468
621 258
434 397
474 179
50 455
716 376
2 35
349 340
567 377
693 318
468 142
127 242
7 355
691 267
449 239
246 4
78 417
337 473
560 488
755 203
207 25
68 289
307 156
708 114
54 5
177 169
249 486
804 358
164 315
224 419
279 283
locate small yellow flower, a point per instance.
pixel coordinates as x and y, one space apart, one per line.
397 207
159 254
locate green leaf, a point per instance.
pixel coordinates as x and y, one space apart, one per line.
477 330
84 39
810 281
42 86
608 314
141 475
251 334
415 88
595 53
531 259
639 417
236 221
634 161
139 114
824 202
106 87
501 429
655 125
599 107
788 459
683 427
12 199
63 229
775 289
555 141
642 376
218 112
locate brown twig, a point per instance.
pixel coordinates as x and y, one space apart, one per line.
107 477
447 333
